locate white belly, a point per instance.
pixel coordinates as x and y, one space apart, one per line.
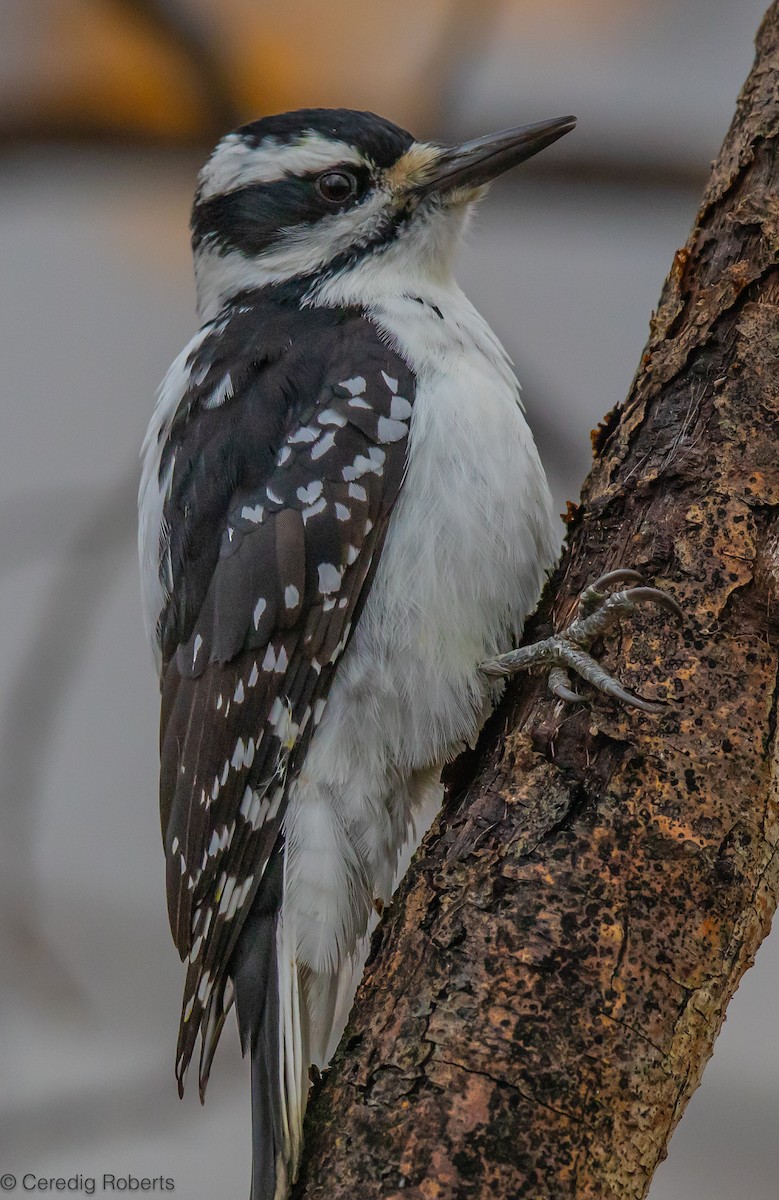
463 563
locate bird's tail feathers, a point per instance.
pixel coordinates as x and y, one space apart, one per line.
294 1049
288 1017
270 1145
254 968
213 1021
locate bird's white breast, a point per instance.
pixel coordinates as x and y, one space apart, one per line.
469 540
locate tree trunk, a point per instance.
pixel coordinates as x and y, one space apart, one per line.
546 988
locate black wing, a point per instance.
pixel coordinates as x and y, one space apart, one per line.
288 453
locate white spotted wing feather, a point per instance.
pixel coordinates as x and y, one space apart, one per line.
264 555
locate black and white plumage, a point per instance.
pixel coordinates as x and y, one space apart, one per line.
342 516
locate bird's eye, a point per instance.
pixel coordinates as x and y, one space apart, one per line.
336 186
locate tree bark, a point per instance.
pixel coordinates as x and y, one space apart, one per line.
546 988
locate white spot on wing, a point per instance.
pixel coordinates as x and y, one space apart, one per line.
329 578
362 465
205 987
391 431
291 596
227 894
331 417
238 897
275 801
304 434
391 383
355 387
254 807
223 391
307 495
218 841
259 609
400 408
313 510
325 443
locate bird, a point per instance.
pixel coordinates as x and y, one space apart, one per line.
343 525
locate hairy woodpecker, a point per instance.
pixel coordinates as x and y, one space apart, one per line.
344 522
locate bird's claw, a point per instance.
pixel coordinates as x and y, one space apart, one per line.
567 651
595 593
559 684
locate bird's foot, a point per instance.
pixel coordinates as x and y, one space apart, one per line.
568 650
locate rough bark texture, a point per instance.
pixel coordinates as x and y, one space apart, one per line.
546 989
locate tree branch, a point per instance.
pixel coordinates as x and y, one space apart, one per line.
546 989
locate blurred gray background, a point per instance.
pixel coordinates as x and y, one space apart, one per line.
106 111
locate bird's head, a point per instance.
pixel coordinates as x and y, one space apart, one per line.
302 199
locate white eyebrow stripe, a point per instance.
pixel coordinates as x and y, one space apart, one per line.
302 252
235 163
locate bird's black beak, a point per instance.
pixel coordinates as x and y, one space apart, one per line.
483 159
